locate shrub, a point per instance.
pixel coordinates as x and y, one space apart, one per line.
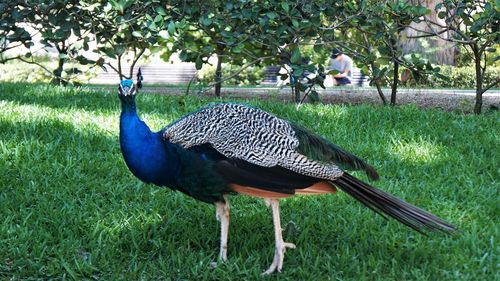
465 77
456 77
18 71
15 71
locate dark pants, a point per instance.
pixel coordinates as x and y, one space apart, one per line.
342 81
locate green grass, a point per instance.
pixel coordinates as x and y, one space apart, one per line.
70 209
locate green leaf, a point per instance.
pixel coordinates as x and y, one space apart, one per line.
136 34
171 28
298 72
318 47
285 6
161 11
183 55
295 56
488 7
206 21
441 76
313 97
158 18
491 50
198 63
272 15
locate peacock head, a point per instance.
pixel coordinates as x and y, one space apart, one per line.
127 91
127 88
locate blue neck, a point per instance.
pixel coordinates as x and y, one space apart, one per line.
146 154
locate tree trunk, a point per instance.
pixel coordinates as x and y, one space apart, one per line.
296 92
380 93
479 79
437 50
394 87
218 71
58 72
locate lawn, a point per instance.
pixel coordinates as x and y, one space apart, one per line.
70 209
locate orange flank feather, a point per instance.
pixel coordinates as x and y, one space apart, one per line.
315 189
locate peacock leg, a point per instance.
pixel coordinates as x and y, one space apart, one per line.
222 214
279 253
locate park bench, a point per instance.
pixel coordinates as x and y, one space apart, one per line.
154 74
271 77
182 73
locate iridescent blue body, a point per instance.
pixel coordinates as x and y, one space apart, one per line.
155 160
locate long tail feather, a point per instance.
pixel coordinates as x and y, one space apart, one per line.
387 204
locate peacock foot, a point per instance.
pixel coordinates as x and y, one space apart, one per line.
279 256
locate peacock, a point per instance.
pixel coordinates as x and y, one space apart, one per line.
231 148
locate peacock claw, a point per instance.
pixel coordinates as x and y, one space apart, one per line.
279 256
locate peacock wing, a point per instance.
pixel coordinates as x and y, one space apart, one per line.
242 132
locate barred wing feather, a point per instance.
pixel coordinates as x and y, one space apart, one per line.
242 132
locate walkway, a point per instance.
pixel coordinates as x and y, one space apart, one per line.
447 99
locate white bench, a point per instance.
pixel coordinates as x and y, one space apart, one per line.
153 73
271 77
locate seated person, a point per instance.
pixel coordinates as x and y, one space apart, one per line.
343 64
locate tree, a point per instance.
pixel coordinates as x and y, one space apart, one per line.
248 33
59 27
122 31
201 30
474 25
374 39
12 35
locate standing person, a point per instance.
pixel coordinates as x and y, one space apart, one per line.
343 64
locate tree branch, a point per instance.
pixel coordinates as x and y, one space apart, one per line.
234 74
491 85
136 58
37 64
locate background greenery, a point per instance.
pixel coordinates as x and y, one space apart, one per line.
385 38
456 77
70 209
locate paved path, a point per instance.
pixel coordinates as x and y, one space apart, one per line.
445 99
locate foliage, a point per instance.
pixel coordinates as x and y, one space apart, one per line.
12 35
123 32
252 75
201 30
295 34
474 25
14 71
252 32
59 27
455 77
71 209
373 39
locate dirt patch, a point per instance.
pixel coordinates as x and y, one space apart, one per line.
462 100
